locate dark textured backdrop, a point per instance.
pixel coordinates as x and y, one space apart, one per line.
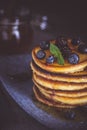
68 17
72 15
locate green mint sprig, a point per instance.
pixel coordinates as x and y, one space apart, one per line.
57 53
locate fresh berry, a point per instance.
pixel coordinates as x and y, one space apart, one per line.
82 48
76 41
45 45
66 51
61 42
73 58
50 59
63 46
40 54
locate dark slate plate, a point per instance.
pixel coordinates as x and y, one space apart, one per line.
16 77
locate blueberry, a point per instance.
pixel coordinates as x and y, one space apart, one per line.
50 59
76 41
63 46
73 58
82 48
66 51
40 54
61 42
45 45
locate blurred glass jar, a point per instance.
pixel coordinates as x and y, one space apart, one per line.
16 34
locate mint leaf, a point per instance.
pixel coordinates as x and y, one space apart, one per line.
57 53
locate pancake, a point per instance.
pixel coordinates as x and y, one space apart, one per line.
64 93
74 77
56 68
48 102
61 86
69 97
82 100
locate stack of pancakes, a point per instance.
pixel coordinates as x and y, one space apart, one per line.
62 86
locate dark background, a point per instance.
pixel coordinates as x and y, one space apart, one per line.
72 14
68 17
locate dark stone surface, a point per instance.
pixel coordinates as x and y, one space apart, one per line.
16 79
12 117
64 18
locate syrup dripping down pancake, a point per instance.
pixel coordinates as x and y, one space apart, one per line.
69 77
62 86
48 102
56 68
65 93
